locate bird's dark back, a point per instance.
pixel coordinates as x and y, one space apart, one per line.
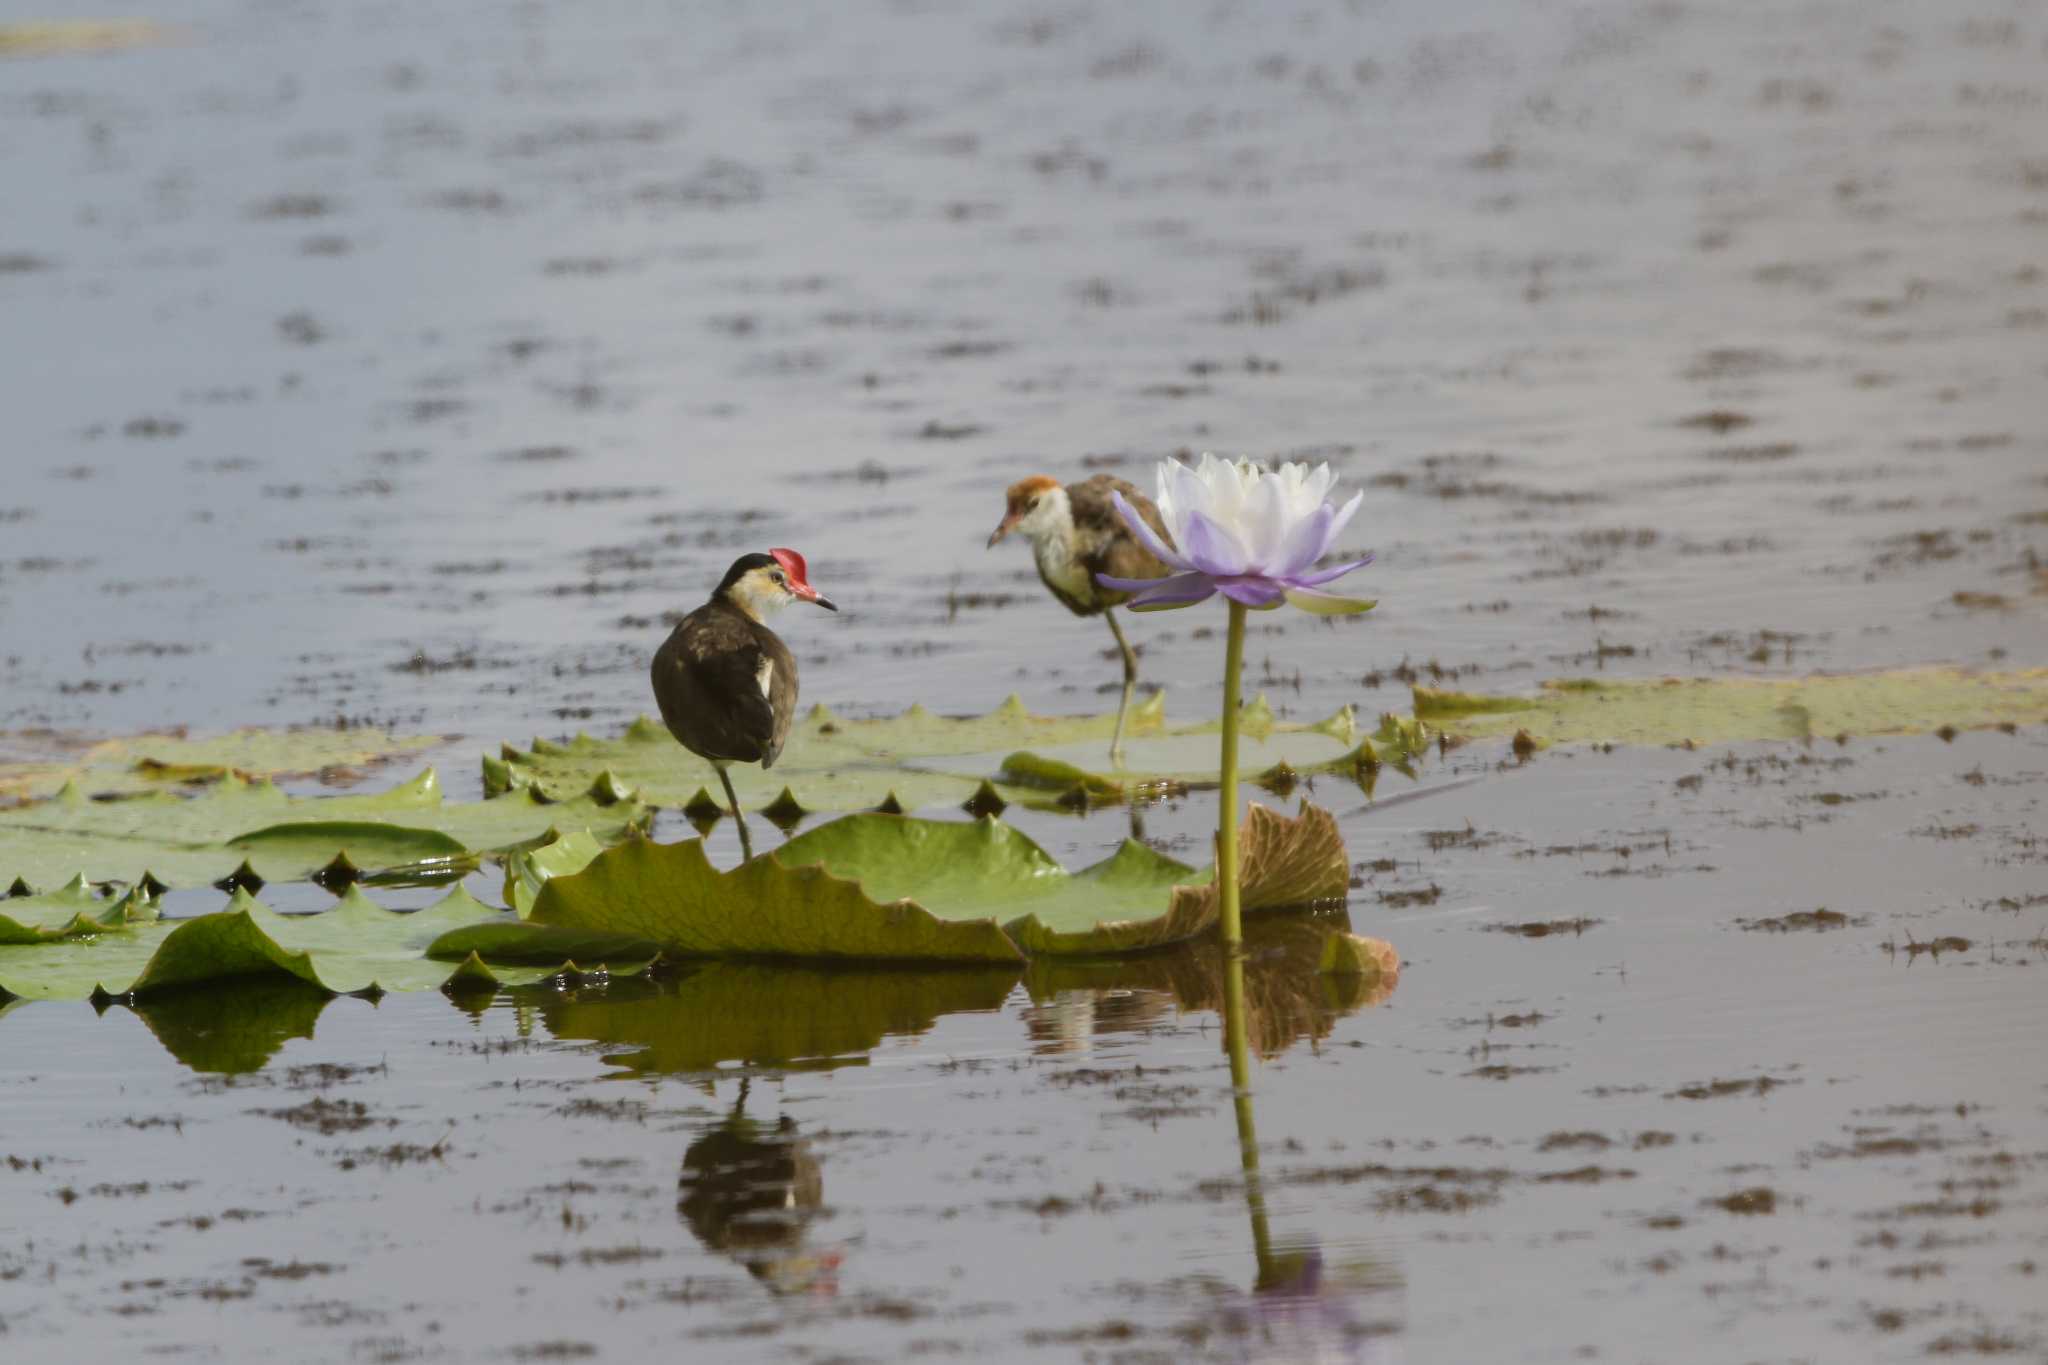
707 682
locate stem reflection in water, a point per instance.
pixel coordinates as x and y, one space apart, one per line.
1294 1313
1234 1030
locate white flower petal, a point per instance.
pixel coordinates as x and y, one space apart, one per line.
1267 524
1344 515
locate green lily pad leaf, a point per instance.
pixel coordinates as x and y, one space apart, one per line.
206 839
923 760
671 894
892 888
539 945
768 1014
527 870
988 868
37 765
296 850
356 946
70 911
1726 710
1398 742
1182 761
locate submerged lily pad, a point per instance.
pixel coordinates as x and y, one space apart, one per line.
356 946
920 759
37 764
892 888
195 841
1726 710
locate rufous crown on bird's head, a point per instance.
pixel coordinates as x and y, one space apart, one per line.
1025 492
1032 507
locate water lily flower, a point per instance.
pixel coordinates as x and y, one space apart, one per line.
1252 534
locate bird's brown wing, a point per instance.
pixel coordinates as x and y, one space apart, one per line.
1106 545
707 683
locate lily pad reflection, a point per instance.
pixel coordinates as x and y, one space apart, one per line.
1287 999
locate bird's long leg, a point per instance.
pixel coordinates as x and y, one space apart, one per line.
1123 707
746 844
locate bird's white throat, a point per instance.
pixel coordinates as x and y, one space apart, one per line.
758 597
1050 528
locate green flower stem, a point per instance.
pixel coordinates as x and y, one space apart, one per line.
1226 823
1247 1131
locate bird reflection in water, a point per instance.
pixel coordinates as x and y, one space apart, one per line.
749 1190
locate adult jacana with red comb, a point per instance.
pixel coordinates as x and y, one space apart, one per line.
1075 534
726 684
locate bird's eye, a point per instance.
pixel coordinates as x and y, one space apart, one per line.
778 578
1034 505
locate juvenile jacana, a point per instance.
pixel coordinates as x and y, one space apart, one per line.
725 684
1075 534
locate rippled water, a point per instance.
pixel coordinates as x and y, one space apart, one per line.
411 363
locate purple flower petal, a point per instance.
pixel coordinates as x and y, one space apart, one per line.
1252 592
1163 594
1212 549
1115 584
1303 546
1319 577
1147 537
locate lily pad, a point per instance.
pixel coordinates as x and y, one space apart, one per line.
920 759
671 895
893 888
194 841
68 912
988 868
1727 710
527 870
356 946
40 763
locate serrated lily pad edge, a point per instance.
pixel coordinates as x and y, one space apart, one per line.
235 945
1190 911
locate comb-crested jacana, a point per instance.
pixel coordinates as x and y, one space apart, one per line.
1075 534
725 683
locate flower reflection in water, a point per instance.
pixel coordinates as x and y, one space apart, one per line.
749 1190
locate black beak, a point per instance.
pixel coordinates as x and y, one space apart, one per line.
824 602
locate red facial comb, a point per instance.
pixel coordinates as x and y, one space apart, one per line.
792 564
